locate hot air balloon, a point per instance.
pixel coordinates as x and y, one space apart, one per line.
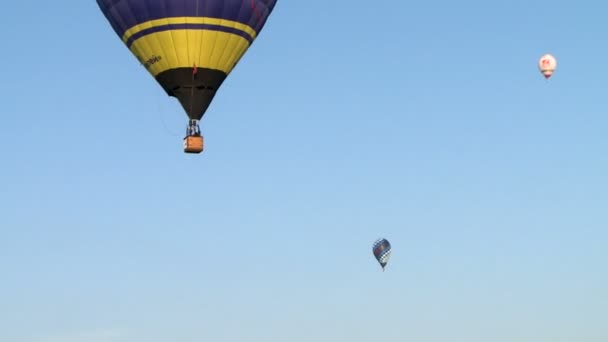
382 251
188 46
547 65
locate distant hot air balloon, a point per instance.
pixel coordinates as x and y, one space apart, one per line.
188 46
382 251
547 65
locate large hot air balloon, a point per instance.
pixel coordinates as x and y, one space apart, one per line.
382 251
547 65
188 46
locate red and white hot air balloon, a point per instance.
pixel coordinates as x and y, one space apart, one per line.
547 65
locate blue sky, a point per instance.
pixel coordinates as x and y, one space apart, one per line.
426 123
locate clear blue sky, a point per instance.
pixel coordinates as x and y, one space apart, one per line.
424 122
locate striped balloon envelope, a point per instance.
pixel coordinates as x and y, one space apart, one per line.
188 46
382 251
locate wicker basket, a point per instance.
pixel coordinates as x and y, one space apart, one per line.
193 144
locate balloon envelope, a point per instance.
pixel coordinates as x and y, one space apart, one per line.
547 65
382 251
188 46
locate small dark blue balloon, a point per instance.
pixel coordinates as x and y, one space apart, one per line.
382 251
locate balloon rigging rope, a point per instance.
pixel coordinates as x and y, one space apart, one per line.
192 89
167 130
